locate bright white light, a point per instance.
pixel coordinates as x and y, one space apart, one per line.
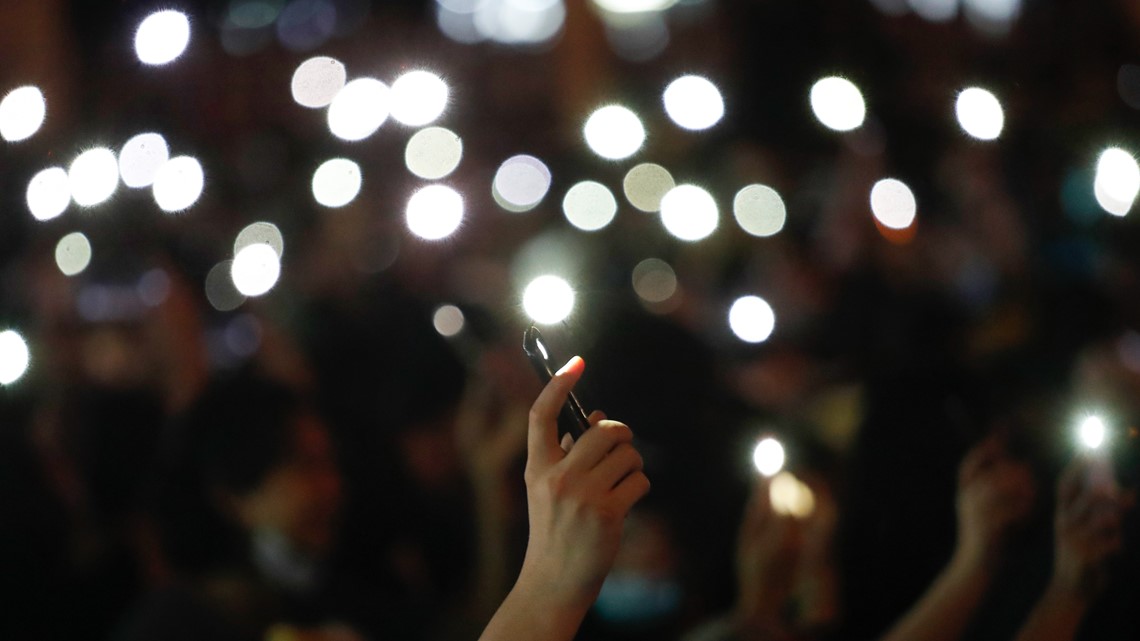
654 280
162 37
336 182
980 113
1092 432
838 104
768 457
141 158
634 6
935 10
448 320
521 183
93 176
14 356
693 102
418 97
22 113
751 319
49 193
646 184
519 22
260 232
548 299
359 109
893 204
759 210
791 497
994 10
178 183
1117 181
317 81
689 212
433 153
73 254
255 269
614 132
435 212
589 206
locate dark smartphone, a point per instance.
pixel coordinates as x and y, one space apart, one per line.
573 418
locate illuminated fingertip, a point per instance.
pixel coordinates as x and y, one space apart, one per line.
571 364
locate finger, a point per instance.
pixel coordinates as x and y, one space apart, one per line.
630 491
596 443
567 442
596 417
982 455
622 461
1069 485
542 436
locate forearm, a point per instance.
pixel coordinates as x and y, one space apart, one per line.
1055 617
946 608
530 614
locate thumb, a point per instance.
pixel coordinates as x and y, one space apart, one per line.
542 438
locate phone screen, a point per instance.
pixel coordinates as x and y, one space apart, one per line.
573 418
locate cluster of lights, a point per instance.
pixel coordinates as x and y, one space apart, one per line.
253 271
357 108
510 22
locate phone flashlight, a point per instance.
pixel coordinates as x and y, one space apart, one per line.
1092 432
573 418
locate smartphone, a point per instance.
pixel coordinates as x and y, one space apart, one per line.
572 419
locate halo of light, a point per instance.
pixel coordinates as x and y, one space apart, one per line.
634 6
418 97
433 153
838 104
260 232
220 290
979 113
751 318
589 205
520 183
637 37
178 183
1117 181
317 81
654 280
759 210
548 299
935 10
448 320
73 254
49 193
14 356
519 22
614 132
255 269
162 37
141 158
768 456
689 212
1092 432
435 212
93 176
693 102
790 496
893 203
458 25
22 113
359 109
336 182
646 184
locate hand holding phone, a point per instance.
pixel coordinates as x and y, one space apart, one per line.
573 419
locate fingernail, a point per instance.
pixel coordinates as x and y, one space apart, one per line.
569 364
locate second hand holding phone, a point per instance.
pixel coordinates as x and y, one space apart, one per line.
573 419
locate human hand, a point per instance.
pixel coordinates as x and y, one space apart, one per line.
995 493
1087 527
489 437
767 554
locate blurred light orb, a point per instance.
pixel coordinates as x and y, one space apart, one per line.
255 269
93 176
689 213
935 10
589 206
153 287
433 153
14 356
317 81
519 22
768 456
893 203
49 193
520 183
646 184
979 113
1092 432
162 36
838 104
693 102
994 11
435 212
759 210
634 6
637 37
178 184
336 182
1117 181
220 290
459 25
260 232
751 318
790 496
359 109
448 320
141 158
654 281
73 254
22 113
548 299
418 98
614 132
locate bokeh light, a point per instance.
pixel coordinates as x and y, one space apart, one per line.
153 287
418 97
548 299
14 356
520 183
893 203
220 290
260 232
646 184
336 182
634 6
935 10
435 212
790 496
689 212
1092 432
589 205
141 158
637 37
359 109
255 269
1117 181
979 113
162 37
654 281
73 254
433 153
838 104
22 113
178 183
768 456
49 193
317 81
516 22
751 318
759 210
93 176
693 102
448 320
614 132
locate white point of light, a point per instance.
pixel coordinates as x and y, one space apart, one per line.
255 269
162 36
614 132
359 109
838 104
93 176
14 356
73 254
693 102
759 210
790 496
1117 181
768 457
22 113
317 81
141 158
260 232
654 280
893 203
435 212
178 183
1092 432
634 6
336 182
418 97
448 320
979 113
589 206
689 212
433 153
646 184
751 318
548 299
520 183
49 193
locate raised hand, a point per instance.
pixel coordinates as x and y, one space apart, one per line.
995 493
